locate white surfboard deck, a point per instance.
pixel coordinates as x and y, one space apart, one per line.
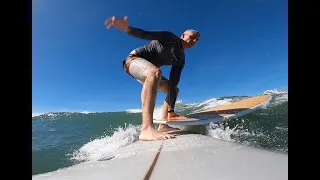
187 157
221 113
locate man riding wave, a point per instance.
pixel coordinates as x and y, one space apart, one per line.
143 64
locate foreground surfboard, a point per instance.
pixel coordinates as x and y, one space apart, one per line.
187 157
220 113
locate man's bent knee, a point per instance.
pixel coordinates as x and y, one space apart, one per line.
157 73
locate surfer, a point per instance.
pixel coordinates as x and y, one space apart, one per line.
143 65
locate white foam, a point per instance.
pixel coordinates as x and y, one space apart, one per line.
107 145
51 115
212 103
157 113
220 132
279 97
34 114
179 101
85 112
275 91
134 110
281 128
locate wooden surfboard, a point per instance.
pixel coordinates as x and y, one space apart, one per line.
229 111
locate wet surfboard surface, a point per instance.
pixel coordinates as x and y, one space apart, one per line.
187 157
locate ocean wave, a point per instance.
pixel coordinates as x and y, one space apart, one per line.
279 97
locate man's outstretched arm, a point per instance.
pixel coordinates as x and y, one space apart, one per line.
139 33
165 36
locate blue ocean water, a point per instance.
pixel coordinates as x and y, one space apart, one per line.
62 139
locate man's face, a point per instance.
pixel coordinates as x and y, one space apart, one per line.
191 37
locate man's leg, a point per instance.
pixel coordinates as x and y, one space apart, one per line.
150 75
163 127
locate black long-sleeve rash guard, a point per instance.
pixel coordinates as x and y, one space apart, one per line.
164 49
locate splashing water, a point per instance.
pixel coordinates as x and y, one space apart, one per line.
107 145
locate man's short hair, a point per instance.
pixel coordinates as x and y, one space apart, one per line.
194 31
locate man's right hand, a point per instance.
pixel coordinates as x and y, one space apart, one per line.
117 23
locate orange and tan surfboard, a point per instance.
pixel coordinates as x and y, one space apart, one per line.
229 111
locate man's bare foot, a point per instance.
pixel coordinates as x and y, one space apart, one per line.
166 128
151 134
173 115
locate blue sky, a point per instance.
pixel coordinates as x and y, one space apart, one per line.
76 61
